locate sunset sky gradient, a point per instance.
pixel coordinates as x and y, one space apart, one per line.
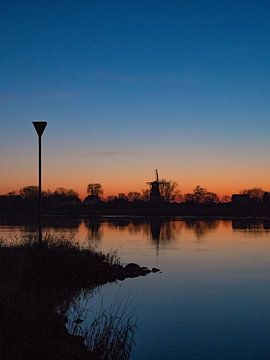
130 86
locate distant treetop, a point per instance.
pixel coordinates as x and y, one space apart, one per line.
95 189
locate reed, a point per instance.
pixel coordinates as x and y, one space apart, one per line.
36 281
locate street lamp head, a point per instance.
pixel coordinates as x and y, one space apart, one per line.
40 126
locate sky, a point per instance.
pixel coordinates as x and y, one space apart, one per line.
130 86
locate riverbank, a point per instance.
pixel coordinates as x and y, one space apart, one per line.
19 206
37 285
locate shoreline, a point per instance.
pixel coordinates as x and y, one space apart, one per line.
38 280
105 217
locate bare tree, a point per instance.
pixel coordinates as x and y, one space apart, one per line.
29 192
226 198
211 198
145 194
122 196
110 198
188 197
169 190
63 194
133 196
12 193
255 194
95 189
200 195
61 191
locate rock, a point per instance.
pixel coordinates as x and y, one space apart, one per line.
133 270
154 270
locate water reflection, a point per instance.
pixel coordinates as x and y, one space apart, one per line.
201 227
163 232
251 225
132 225
159 230
26 225
48 221
95 230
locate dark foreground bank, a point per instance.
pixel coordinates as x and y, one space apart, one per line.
37 286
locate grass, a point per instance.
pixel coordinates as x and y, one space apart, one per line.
37 286
110 335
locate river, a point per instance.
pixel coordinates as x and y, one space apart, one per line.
211 299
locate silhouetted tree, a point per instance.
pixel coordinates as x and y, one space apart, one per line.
62 194
29 192
211 198
169 190
226 198
47 193
61 191
145 194
266 198
110 198
133 196
12 193
122 196
199 194
188 197
95 189
255 194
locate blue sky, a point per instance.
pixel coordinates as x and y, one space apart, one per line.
130 86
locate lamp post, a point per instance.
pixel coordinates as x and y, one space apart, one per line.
40 127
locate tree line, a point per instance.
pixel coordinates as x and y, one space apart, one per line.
169 191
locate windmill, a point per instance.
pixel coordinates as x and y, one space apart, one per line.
155 195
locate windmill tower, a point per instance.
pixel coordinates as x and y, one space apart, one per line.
155 195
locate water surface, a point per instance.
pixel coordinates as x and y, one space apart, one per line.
212 298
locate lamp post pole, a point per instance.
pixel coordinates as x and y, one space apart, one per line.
40 127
